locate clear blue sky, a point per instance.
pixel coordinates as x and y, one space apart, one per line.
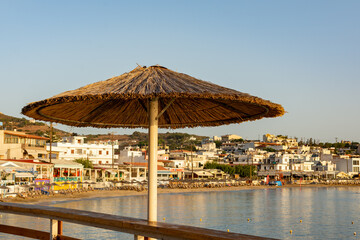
304 55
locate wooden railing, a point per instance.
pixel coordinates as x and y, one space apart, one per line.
137 227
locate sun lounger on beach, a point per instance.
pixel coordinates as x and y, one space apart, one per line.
21 195
45 192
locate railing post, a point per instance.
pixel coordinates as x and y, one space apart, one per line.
60 227
53 229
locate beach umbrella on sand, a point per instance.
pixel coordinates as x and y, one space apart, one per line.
152 97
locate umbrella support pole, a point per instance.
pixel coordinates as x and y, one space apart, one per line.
153 142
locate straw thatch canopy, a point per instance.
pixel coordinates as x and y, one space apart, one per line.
123 102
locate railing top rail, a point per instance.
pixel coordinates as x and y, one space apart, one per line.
134 226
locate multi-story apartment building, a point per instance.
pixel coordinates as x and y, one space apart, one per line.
132 154
249 158
72 148
324 166
347 163
18 145
209 146
289 142
187 159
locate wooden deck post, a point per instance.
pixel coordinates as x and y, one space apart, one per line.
60 227
53 229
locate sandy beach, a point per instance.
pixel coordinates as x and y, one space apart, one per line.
118 193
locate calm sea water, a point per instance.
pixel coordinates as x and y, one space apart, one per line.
326 213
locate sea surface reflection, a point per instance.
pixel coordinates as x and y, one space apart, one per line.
326 212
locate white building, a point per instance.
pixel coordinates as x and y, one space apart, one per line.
327 166
131 154
177 163
210 146
72 148
347 164
210 155
248 159
289 142
216 138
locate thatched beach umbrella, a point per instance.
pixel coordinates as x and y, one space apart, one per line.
152 97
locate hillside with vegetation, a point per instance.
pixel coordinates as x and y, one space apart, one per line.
29 127
173 140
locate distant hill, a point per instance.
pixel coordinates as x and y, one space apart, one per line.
6 118
29 127
173 140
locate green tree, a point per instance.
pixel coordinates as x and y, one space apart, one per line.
39 133
85 162
268 149
143 143
241 170
218 144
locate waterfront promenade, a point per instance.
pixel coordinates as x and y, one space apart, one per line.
111 192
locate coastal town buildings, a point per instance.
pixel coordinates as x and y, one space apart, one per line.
347 163
21 171
65 171
284 140
18 145
279 155
74 147
211 139
208 146
131 154
230 137
25 159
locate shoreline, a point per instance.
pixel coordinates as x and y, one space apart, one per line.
123 193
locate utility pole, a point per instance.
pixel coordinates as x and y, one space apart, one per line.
251 167
291 164
192 164
248 162
51 137
112 149
132 159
